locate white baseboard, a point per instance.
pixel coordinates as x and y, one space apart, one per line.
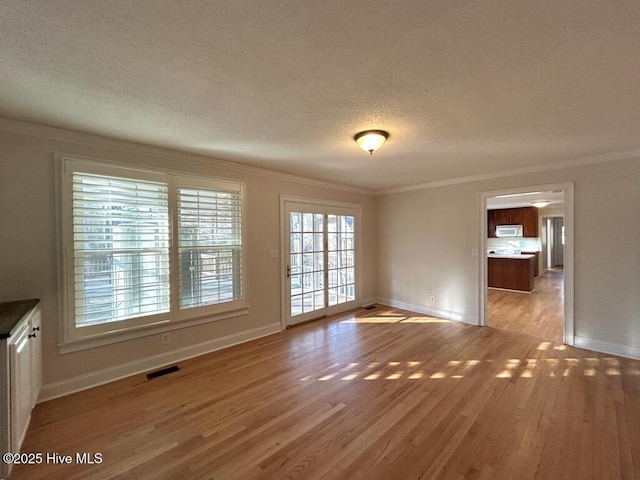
606 347
432 311
100 377
368 301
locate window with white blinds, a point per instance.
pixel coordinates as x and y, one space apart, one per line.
120 248
146 248
209 246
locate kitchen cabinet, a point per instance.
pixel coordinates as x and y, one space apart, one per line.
535 262
515 217
525 216
512 272
503 216
20 372
529 221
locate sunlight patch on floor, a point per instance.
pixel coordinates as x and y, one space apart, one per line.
513 367
394 319
425 320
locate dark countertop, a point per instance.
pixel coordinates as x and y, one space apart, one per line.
12 312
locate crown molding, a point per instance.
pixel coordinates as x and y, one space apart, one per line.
578 162
54 133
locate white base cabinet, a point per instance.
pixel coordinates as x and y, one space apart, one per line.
21 362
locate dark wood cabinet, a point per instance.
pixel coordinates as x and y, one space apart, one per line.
491 224
535 262
503 216
515 216
510 273
525 216
529 217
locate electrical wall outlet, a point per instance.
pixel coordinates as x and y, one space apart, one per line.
433 299
165 339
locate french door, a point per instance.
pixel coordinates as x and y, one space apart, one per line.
320 255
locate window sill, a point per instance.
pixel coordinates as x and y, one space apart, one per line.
144 331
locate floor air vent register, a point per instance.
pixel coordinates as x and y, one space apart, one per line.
164 371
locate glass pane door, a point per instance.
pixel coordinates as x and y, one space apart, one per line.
321 261
341 253
306 264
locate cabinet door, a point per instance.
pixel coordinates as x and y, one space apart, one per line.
529 221
20 386
503 216
491 224
515 216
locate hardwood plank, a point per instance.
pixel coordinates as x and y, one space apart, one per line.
372 394
539 313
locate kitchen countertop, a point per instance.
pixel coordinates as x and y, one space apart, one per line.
12 312
516 257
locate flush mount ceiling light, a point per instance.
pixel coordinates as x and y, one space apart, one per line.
541 204
371 140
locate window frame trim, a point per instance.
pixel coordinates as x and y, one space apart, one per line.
69 340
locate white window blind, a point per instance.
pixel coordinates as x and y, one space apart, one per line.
120 248
145 249
209 246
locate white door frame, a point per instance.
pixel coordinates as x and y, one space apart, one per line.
283 247
568 336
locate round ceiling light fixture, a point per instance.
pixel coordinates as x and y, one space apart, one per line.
371 140
541 204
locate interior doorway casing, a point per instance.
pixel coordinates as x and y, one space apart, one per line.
568 334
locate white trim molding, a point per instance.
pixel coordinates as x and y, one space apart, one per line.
366 302
431 311
144 331
576 162
568 190
36 130
53 133
626 351
73 338
111 374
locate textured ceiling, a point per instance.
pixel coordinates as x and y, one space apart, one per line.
464 88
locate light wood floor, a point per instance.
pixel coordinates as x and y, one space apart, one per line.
539 313
379 394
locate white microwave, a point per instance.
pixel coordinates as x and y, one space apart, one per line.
509 231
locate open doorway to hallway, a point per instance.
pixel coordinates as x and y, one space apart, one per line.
525 263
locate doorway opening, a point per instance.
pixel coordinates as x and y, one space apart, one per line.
527 269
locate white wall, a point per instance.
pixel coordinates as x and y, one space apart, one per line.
28 251
425 239
551 211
